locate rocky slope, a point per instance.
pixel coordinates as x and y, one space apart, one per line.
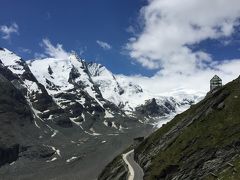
201 143
65 118
19 133
129 96
57 122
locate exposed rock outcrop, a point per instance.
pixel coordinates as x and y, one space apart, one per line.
197 144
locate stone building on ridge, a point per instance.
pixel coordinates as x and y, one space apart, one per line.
215 82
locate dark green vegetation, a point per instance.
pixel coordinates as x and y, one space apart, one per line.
199 143
116 169
230 172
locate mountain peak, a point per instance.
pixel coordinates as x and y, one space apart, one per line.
70 102
73 56
12 61
96 69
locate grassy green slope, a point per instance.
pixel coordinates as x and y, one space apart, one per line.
193 151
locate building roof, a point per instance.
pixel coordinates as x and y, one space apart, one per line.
215 77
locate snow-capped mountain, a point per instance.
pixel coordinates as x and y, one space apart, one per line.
61 76
117 89
132 98
76 111
74 84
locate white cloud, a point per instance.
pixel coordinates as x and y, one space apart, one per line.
170 26
53 51
198 81
7 31
104 45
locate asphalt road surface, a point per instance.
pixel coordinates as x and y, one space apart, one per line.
135 171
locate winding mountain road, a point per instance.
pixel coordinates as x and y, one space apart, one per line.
135 171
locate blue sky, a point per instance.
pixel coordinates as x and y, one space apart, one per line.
75 24
168 37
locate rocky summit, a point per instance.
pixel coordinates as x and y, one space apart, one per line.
200 143
68 118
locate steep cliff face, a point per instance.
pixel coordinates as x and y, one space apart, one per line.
16 70
15 115
17 130
201 143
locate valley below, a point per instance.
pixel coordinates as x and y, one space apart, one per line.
120 90
67 118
